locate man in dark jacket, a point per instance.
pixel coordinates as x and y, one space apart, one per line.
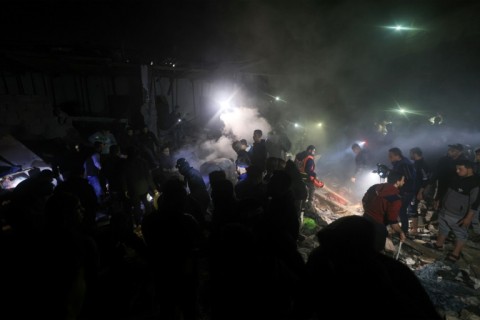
195 183
421 183
381 205
404 166
258 152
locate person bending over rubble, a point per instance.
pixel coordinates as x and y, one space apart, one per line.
381 205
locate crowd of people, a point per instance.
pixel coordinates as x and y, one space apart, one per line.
131 229
450 190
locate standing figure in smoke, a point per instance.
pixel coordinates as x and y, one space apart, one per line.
148 144
258 152
361 170
306 164
195 183
361 160
243 158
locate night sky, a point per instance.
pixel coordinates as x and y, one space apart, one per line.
336 58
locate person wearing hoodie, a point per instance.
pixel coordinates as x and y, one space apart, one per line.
381 205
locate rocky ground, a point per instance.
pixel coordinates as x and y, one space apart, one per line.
453 287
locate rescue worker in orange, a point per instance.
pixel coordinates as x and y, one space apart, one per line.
306 162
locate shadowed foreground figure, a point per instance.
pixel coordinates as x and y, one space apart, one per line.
346 267
173 239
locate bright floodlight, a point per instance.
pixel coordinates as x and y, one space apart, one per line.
296 125
319 124
277 98
400 28
401 110
224 104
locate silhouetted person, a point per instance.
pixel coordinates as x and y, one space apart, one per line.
345 264
173 240
252 187
147 145
77 185
195 183
137 183
405 167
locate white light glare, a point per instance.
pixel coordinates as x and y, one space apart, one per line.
277 98
319 124
296 125
400 28
224 104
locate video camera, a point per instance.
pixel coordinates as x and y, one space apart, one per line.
382 170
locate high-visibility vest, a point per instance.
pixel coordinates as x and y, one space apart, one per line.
304 164
317 183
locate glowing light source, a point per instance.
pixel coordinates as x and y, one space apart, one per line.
319 124
296 125
400 28
224 104
277 98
